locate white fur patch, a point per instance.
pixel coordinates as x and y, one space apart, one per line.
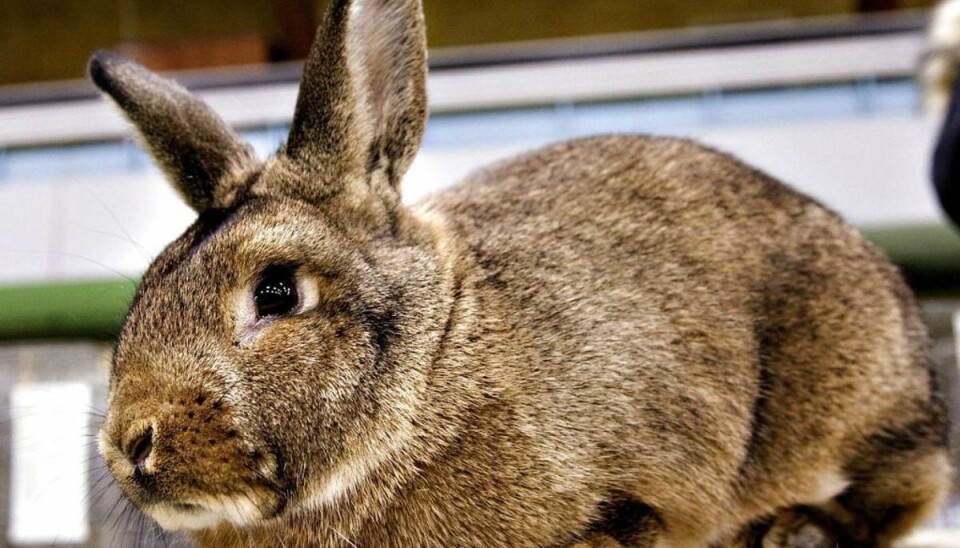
240 511
830 483
342 480
348 475
172 519
211 511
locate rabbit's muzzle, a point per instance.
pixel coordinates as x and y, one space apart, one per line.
185 460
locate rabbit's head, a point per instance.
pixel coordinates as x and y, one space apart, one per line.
276 353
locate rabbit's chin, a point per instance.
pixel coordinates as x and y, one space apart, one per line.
205 514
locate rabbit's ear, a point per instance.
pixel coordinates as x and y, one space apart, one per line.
362 103
198 152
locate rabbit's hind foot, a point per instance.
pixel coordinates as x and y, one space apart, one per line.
889 495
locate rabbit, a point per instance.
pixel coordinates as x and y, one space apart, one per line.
610 342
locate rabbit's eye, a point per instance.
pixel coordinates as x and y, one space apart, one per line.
276 294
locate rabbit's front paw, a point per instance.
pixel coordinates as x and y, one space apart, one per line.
796 530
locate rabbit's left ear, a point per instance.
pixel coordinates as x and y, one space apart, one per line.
362 105
202 157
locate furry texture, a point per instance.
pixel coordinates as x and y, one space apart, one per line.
202 157
618 341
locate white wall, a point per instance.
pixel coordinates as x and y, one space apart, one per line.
872 170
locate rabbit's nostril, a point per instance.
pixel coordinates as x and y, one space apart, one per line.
139 449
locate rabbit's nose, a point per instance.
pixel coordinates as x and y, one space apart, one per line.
140 447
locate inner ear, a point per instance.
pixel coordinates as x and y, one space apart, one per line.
388 40
379 46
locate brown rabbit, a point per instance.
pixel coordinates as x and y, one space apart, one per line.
617 341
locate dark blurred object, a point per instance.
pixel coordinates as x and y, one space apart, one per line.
870 6
198 53
946 159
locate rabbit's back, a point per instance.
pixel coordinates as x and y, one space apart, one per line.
730 342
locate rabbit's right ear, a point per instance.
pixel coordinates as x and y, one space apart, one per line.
362 106
198 152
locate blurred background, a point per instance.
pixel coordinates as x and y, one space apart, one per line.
820 93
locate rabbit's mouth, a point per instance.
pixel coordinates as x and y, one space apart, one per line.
241 486
179 516
240 510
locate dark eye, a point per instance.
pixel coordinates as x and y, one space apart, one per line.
276 293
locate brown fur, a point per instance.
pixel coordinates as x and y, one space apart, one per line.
618 341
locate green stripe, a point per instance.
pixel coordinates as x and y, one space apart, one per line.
932 246
89 309
929 254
